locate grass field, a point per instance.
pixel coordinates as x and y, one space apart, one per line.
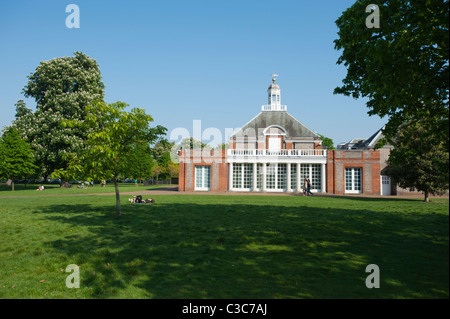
197 246
55 189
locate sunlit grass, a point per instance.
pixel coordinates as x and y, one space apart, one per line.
55 189
194 246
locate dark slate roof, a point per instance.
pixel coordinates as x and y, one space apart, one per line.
374 138
369 143
281 118
372 141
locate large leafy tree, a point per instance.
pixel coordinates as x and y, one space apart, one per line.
402 67
16 156
419 162
114 135
62 88
140 162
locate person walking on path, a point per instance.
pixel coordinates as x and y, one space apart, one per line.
308 187
305 186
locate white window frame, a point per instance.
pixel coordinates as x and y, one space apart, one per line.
200 169
352 176
242 176
314 173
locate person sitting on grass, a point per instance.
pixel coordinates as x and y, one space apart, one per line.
138 200
40 188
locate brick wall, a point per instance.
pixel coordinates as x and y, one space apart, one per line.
367 160
215 159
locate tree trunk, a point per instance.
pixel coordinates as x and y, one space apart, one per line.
64 184
116 186
12 185
426 199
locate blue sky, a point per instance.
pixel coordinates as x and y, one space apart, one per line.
192 60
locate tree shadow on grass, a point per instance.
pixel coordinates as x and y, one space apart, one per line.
393 198
188 250
386 199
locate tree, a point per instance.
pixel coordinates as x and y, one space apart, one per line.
419 161
140 162
62 88
16 156
188 143
21 109
222 146
114 134
327 143
172 169
161 152
191 143
157 170
402 67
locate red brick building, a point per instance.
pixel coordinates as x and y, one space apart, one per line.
274 152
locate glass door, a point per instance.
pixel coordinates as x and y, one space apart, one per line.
202 178
353 183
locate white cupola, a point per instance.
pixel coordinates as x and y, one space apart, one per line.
274 97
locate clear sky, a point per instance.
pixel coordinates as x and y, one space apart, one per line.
192 60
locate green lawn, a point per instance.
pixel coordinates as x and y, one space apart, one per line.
55 189
197 246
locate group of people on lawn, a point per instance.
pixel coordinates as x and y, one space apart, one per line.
138 200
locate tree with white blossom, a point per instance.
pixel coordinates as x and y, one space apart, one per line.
62 88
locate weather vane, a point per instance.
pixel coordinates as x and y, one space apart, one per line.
274 77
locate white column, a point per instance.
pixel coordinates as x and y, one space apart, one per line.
299 182
230 176
324 179
264 177
255 176
288 177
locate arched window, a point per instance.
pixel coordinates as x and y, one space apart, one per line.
274 130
